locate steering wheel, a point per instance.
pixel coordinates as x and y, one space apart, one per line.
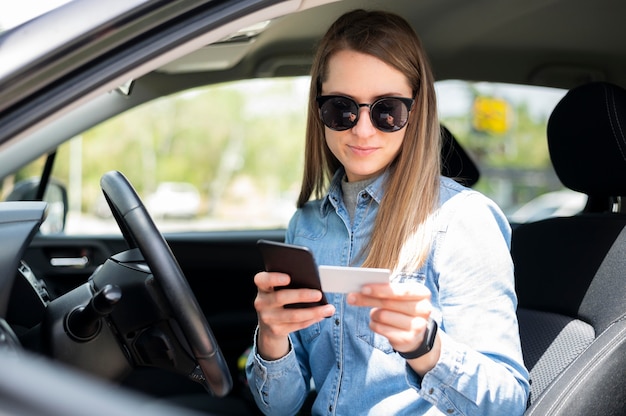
140 232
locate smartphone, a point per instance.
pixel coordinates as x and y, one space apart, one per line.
296 261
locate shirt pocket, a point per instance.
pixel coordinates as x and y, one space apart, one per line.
365 334
310 333
409 277
311 228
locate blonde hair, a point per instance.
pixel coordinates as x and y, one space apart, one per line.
401 237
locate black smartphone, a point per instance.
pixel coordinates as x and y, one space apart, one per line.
298 262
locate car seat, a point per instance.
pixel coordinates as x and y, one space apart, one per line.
571 271
455 161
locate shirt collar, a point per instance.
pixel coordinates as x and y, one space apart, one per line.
374 189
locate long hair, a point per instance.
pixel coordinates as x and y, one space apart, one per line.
401 236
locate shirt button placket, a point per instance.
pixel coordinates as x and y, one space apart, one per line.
337 322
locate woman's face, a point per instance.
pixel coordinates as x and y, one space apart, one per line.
363 150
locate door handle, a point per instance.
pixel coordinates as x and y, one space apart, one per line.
69 261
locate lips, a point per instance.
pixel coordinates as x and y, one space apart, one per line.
362 151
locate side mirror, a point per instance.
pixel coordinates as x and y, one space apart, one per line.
55 196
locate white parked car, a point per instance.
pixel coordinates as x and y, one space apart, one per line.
174 200
551 204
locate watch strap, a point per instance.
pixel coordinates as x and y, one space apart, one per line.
427 343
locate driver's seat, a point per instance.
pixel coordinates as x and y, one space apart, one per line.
571 271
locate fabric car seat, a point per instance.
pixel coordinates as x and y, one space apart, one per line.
571 271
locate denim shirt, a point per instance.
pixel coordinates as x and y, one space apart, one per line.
469 272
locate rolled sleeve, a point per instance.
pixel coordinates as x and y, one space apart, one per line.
277 386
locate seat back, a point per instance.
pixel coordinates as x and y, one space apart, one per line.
571 271
455 161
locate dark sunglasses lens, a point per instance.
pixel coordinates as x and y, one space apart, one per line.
339 113
389 114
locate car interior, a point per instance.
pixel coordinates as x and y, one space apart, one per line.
193 290
569 270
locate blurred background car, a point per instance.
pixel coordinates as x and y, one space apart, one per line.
174 200
551 204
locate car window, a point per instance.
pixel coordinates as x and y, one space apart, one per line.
217 158
230 156
503 127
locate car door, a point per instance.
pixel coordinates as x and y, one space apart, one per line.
213 190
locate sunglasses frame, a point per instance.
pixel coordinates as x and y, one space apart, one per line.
322 99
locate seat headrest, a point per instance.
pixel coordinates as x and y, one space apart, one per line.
455 162
587 139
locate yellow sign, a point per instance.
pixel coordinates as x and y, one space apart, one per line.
491 115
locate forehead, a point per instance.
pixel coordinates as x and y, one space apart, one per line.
363 76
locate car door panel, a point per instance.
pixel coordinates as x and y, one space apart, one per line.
64 262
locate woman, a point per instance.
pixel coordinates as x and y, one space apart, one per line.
442 336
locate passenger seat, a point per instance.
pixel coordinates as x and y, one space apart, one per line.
571 271
455 161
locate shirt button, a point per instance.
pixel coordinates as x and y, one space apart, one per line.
337 321
431 391
450 411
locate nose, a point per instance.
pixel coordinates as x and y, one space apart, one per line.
364 126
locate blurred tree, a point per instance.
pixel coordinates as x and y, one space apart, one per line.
207 137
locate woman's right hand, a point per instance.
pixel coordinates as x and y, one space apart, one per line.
275 321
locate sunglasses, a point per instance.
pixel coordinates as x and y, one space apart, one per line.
341 113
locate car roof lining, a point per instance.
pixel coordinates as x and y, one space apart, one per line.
492 38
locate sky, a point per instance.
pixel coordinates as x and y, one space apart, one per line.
14 12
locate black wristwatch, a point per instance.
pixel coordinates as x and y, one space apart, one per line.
426 345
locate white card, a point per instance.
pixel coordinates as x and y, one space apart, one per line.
340 279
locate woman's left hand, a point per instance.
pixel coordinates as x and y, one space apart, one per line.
400 312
